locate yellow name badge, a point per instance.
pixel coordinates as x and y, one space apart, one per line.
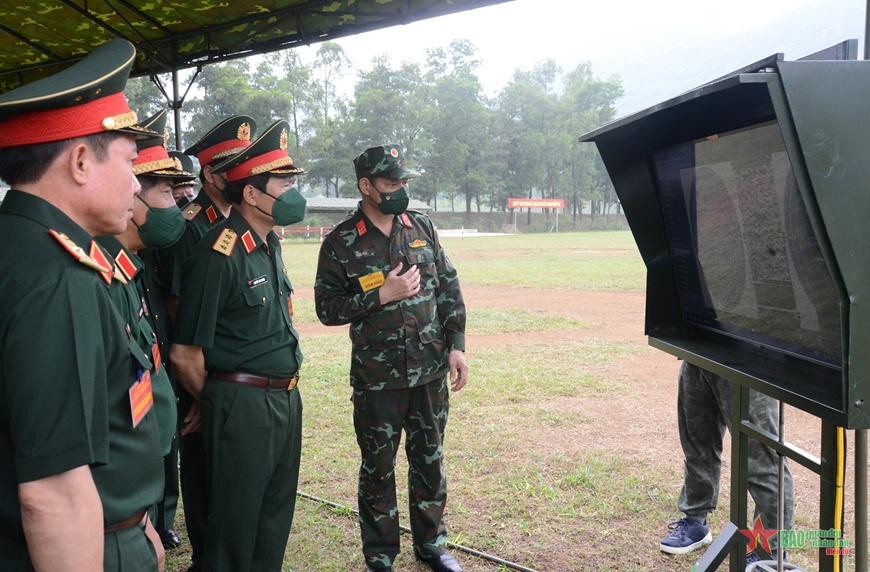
372 281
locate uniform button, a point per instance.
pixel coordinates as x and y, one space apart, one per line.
177 400
264 300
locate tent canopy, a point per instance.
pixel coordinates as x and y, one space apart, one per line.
40 38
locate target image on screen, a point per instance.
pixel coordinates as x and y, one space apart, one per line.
748 263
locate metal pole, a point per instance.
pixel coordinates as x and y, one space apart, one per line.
780 515
867 32
176 108
861 555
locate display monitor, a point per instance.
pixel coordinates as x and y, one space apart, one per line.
747 262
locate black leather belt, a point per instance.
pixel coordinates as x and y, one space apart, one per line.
256 380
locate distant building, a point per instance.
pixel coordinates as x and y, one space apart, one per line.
320 205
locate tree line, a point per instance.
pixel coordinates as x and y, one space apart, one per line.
520 143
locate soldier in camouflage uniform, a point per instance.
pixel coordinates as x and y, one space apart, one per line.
704 412
383 271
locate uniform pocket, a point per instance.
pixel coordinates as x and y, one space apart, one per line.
257 301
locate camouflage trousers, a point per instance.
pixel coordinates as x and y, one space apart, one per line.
704 412
379 416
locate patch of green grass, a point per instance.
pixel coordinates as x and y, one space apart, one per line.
517 320
573 260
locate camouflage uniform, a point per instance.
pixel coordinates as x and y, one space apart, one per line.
704 411
399 370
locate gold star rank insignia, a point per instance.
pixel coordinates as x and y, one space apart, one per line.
191 211
226 242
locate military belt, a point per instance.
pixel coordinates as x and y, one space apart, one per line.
134 520
256 380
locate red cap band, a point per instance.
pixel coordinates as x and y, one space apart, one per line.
59 124
150 154
206 156
244 170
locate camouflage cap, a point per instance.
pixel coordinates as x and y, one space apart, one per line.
225 139
153 158
382 161
84 99
265 156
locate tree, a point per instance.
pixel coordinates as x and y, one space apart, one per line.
459 125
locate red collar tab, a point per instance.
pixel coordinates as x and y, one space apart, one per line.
361 227
248 242
78 253
211 214
128 269
406 220
97 255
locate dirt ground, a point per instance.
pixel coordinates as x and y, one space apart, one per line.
651 431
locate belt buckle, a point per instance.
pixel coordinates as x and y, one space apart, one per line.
293 381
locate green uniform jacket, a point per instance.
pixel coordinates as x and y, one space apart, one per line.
235 303
130 301
67 366
202 215
405 343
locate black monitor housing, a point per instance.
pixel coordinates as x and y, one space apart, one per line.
749 200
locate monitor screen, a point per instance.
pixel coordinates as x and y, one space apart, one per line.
748 263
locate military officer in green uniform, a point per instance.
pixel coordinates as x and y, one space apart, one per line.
183 191
236 351
383 271
156 223
208 210
80 458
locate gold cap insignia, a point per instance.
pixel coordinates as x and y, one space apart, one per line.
244 132
283 141
394 152
166 137
177 164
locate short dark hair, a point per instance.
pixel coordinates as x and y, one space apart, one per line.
28 163
147 182
234 189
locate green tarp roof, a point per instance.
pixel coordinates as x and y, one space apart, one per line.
39 37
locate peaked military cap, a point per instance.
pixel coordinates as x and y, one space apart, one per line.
227 138
153 159
84 99
266 155
185 163
382 161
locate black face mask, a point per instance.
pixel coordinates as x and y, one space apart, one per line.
394 203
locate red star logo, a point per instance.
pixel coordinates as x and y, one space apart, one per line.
758 536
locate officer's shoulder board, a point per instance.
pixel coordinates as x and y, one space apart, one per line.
226 241
191 210
100 264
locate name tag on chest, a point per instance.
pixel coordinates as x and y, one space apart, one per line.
372 281
257 281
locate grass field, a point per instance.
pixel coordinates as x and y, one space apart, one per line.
538 471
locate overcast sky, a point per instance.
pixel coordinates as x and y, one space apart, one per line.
641 40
